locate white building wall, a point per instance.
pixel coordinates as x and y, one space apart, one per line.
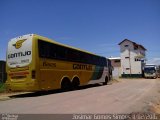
128 55
125 53
116 64
135 65
116 73
125 65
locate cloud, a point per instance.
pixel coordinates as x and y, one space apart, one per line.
155 61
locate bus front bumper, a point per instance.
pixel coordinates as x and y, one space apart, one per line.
150 75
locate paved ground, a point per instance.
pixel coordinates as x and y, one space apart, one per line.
126 96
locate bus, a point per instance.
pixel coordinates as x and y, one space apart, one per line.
36 63
150 71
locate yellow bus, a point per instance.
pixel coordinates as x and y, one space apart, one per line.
36 63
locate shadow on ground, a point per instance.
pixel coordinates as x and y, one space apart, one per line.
43 93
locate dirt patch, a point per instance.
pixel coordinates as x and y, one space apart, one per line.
155 103
152 100
114 81
155 108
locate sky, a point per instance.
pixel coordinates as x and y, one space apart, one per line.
97 26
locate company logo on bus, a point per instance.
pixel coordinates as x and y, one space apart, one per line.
18 44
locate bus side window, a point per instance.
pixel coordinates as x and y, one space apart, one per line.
60 52
52 51
47 50
42 49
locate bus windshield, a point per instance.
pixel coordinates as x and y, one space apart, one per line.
149 70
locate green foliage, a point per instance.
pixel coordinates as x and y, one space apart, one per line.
2 87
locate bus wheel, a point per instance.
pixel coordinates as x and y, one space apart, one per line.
65 84
106 81
75 83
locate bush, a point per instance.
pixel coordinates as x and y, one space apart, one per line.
2 87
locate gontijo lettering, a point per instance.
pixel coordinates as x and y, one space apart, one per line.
82 67
19 54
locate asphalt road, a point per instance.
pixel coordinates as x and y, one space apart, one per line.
126 96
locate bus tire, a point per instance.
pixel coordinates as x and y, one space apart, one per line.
75 83
66 84
106 80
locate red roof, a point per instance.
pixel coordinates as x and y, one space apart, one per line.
133 43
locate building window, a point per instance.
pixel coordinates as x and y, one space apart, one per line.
126 57
116 61
126 45
127 68
137 59
135 47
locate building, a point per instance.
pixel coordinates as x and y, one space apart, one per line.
132 58
116 64
2 71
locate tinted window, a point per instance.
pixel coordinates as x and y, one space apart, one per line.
54 51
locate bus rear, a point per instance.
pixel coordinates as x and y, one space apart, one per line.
20 65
